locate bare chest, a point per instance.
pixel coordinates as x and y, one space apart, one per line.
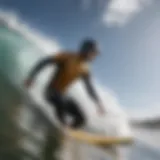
74 68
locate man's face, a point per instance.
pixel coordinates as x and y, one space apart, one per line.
91 55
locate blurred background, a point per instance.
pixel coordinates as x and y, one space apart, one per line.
126 74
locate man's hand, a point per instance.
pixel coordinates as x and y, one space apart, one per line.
28 83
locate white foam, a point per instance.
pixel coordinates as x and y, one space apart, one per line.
14 22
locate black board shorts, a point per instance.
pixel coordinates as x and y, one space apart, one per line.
65 106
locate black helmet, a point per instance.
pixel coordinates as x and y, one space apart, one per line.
87 46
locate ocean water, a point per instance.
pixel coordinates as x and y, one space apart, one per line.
19 51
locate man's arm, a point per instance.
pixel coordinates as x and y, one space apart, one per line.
89 87
57 59
91 91
39 66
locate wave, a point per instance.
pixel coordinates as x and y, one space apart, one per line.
21 46
12 21
27 46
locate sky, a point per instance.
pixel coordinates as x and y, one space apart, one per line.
128 35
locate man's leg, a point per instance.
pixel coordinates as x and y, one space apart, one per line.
55 99
78 117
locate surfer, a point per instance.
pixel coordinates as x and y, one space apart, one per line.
70 67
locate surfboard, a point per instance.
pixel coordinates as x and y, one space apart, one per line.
100 140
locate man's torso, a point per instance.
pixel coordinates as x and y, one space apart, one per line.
70 68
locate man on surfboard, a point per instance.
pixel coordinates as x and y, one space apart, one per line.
70 67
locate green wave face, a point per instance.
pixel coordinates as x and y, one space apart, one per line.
17 54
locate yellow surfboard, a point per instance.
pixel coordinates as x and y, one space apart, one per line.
99 140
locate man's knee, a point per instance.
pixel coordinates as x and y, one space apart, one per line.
78 116
81 119
78 122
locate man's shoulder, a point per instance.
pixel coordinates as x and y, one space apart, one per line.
66 54
70 53
86 66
